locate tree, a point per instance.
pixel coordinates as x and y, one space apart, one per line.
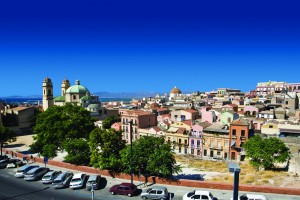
78 152
266 152
105 146
150 156
58 125
107 122
6 136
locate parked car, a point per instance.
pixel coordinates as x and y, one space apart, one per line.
3 157
198 194
93 182
62 180
3 163
50 176
78 181
35 173
21 171
124 189
252 197
14 162
156 192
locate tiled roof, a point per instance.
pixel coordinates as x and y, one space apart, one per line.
156 128
239 122
19 108
187 122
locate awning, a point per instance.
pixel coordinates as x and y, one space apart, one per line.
232 143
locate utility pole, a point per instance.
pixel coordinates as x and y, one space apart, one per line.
130 130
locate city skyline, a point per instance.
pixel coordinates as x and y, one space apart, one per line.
140 46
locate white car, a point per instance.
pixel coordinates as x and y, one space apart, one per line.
77 181
251 197
198 194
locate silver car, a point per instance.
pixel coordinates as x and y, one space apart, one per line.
62 180
21 171
93 182
35 173
50 176
156 192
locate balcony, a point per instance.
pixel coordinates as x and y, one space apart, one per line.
216 147
243 138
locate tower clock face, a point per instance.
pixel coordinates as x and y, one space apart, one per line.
44 84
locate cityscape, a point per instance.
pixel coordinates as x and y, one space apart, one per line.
152 99
211 126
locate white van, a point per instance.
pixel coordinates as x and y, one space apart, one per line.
77 180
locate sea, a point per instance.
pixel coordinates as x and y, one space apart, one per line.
38 101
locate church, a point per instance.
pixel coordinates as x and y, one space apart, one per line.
76 94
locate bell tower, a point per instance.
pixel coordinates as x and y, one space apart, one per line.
64 86
47 93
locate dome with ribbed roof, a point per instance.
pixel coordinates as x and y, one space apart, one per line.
175 90
77 89
154 105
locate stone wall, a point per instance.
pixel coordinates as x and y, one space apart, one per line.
153 179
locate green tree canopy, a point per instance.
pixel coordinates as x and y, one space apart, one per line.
78 151
105 146
107 122
58 125
150 156
266 152
6 136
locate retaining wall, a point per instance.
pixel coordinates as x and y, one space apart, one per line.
153 179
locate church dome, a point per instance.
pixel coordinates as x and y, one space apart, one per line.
154 105
77 89
175 90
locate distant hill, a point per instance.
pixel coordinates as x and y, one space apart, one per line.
126 94
100 94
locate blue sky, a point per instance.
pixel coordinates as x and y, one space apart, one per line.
147 46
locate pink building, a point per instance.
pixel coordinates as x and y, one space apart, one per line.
117 126
140 119
195 139
208 115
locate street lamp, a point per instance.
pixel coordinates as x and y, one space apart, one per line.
92 190
130 132
233 167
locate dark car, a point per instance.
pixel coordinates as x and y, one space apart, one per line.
3 157
124 189
3 163
14 162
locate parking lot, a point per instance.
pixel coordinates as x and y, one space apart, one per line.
176 192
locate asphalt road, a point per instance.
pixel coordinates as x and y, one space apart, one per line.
19 189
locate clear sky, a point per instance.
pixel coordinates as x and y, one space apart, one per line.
147 45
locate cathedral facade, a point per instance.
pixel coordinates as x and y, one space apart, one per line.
77 95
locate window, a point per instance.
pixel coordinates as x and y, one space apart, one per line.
74 96
243 133
192 151
218 153
234 132
219 144
179 141
192 142
185 142
211 143
226 143
198 143
179 149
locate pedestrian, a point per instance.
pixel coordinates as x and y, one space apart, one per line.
31 159
12 154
